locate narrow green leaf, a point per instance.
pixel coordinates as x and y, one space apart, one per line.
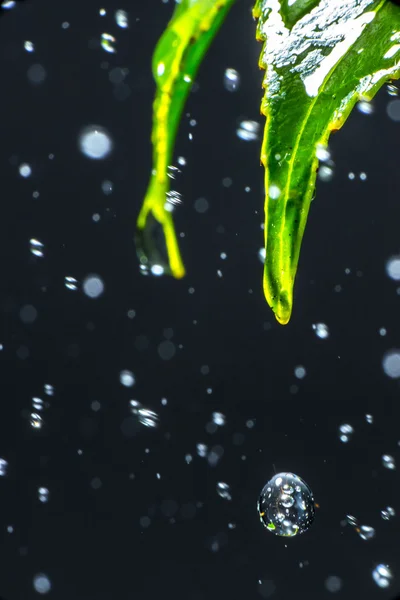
320 58
176 59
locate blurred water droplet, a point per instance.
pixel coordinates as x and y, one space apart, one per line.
219 419
388 462
29 47
393 110
3 467
121 18
95 142
369 419
382 575
261 255
107 187
333 584
365 107
25 170
201 450
41 583
345 432
300 372
224 490
392 90
393 267
127 378
70 282
93 286
36 247
43 494
248 130
8 4
231 80
107 42
147 417
391 363
366 532
36 74
388 513
323 153
321 330
325 173
36 421
201 205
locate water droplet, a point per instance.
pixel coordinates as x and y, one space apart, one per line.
201 205
325 173
107 187
300 372
388 513
391 363
36 247
127 378
286 514
202 450
41 583
392 90
224 490
43 494
93 286
219 419
261 255
369 419
345 432
36 74
107 42
25 170
366 532
3 467
393 268
8 4
365 107
388 462
121 18
248 130
95 142
323 153
231 80
36 421
333 584
274 192
29 47
393 110
321 330
70 282
382 575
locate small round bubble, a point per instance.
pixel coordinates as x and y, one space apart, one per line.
95 142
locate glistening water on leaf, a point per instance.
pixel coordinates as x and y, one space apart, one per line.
320 57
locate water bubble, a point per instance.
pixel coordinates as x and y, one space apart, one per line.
29 47
166 350
41 583
93 286
325 173
70 282
286 505
25 170
300 372
37 403
214 456
218 418
261 255
121 18
36 421
388 462
393 110
248 130
365 107
147 417
382 576
388 513
95 142
201 205
36 247
107 187
231 80
107 43
3 467
345 432
36 74
333 583
323 153
321 330
201 450
369 419
127 378
393 267
43 494
391 363
392 90
224 490
366 532
28 314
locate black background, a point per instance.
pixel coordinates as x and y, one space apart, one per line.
91 543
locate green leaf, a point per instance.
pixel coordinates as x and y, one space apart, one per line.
320 57
176 59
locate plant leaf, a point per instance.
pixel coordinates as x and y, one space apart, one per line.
320 57
176 59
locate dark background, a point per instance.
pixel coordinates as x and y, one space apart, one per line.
101 466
